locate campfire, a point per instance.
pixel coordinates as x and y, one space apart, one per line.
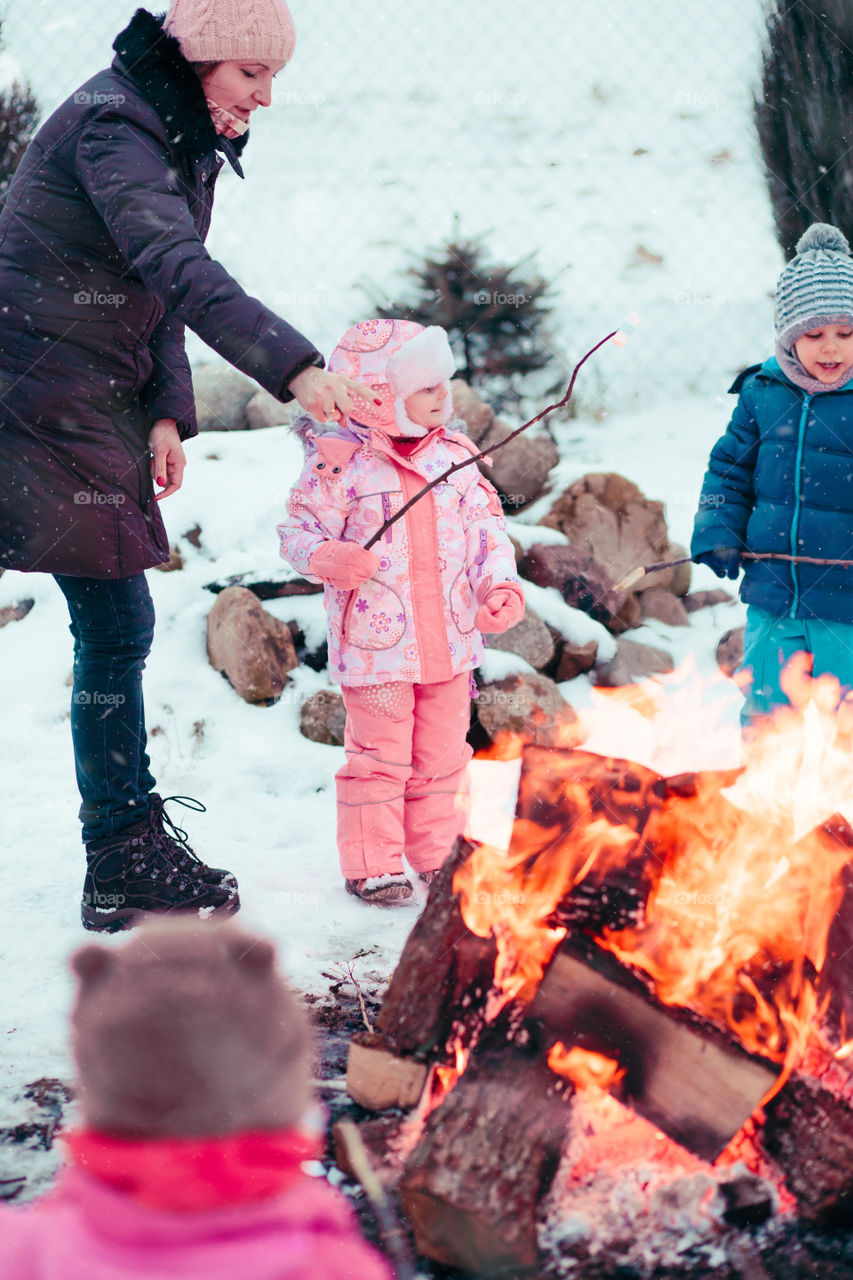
650 987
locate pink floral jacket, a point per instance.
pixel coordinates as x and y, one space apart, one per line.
414 620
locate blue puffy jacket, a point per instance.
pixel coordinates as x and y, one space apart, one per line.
781 479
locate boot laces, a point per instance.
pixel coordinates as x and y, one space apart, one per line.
171 839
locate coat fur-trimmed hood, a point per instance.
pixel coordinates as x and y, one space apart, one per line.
153 60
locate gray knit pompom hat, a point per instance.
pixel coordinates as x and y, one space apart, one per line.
816 287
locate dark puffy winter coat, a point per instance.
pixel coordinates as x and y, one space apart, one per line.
781 479
102 264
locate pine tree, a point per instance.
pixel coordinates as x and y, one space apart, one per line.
805 117
19 115
495 316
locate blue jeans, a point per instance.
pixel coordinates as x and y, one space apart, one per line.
769 642
112 622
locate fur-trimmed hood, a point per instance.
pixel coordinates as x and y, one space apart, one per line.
154 62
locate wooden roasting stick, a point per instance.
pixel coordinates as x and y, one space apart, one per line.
466 462
636 574
393 1236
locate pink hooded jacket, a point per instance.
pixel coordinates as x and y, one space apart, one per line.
86 1230
414 619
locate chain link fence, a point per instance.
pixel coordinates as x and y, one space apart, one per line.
613 144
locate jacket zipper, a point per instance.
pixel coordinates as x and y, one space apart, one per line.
795 522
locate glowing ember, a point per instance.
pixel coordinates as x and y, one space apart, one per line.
585 1069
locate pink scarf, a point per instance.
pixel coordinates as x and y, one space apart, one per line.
225 122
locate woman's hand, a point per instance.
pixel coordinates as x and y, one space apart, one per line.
327 396
167 456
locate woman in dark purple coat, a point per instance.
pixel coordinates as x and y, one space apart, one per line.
102 264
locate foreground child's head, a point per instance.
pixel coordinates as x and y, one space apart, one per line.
407 367
188 1030
814 310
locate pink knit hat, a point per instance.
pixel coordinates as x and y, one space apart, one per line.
222 30
368 352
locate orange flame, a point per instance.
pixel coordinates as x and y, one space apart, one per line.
747 883
585 1068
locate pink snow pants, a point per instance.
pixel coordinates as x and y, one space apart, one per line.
404 788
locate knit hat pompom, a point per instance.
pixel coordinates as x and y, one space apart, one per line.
822 235
816 286
232 30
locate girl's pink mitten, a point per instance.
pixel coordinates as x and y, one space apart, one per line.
502 608
343 564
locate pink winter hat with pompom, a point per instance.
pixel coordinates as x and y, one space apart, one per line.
232 30
394 358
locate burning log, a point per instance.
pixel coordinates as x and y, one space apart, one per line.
488 1154
808 1131
678 1070
449 967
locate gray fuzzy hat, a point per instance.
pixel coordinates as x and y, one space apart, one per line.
188 1030
816 287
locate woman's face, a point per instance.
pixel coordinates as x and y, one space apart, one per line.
240 86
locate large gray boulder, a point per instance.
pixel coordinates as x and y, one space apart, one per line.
529 705
632 662
530 639
221 398
249 646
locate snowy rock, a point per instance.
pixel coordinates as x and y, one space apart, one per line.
529 638
251 647
575 659
529 705
264 410
573 625
175 561
730 651
680 584
519 471
322 718
609 517
704 599
581 579
664 606
633 661
474 412
15 611
222 396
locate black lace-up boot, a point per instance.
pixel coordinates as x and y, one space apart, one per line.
132 874
175 839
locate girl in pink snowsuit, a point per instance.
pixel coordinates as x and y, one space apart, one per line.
405 619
